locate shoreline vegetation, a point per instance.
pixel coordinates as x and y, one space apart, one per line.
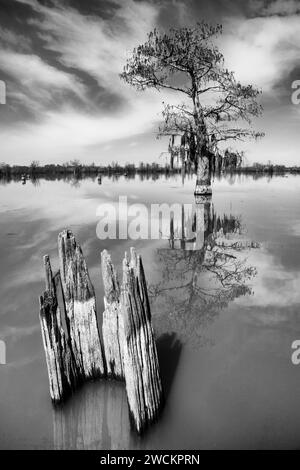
77 171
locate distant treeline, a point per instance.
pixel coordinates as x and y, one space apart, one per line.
75 169
269 168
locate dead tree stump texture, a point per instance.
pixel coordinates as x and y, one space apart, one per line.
129 338
61 367
76 354
80 303
141 367
112 325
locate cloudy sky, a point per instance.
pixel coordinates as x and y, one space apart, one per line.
61 61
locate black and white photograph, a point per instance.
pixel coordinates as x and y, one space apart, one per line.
149 228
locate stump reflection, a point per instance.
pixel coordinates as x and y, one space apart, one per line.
95 418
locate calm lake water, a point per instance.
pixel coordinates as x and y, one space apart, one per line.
224 318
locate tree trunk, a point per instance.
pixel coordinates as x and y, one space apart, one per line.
203 181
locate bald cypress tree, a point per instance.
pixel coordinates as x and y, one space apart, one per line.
214 103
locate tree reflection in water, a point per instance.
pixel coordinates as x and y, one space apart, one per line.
203 270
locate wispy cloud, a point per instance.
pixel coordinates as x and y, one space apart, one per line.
65 71
79 44
91 44
262 50
17 41
37 79
275 7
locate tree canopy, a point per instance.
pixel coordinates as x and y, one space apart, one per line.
187 61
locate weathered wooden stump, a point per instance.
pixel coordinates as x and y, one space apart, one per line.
112 326
129 339
61 367
76 354
141 367
80 304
